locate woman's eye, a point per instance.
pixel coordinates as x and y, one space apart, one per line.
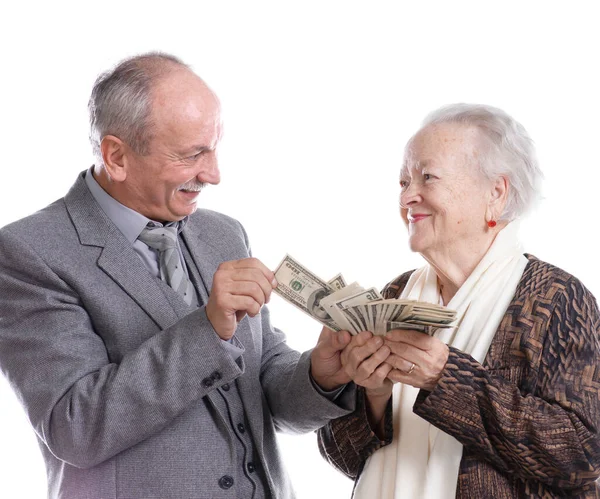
403 183
427 176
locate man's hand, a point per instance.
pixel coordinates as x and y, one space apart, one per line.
239 287
325 364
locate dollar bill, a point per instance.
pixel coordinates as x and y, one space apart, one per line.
353 308
329 303
422 328
304 289
344 305
338 282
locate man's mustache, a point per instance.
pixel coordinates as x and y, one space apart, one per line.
192 185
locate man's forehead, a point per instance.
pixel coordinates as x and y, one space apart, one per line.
187 104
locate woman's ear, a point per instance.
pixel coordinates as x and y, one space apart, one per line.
498 198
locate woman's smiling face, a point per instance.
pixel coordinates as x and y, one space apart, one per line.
444 196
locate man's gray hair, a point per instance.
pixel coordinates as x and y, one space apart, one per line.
121 103
507 150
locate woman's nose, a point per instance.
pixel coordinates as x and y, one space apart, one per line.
409 195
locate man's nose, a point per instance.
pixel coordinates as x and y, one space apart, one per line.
210 172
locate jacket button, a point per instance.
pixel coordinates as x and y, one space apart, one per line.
251 468
216 376
226 387
226 482
241 428
207 382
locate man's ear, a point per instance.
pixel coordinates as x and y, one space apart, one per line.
498 197
114 154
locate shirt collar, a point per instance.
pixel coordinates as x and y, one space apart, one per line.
128 221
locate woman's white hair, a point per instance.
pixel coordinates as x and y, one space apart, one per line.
507 151
121 103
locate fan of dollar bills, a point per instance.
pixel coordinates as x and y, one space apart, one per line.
351 307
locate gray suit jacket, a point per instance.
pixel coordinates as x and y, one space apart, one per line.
117 378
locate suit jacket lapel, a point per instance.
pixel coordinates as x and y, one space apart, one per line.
205 257
118 258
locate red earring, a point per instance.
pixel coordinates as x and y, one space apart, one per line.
491 224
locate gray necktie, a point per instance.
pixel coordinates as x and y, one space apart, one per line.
164 240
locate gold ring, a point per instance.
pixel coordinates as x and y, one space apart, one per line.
412 368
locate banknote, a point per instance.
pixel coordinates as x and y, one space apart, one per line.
343 305
337 282
406 325
350 307
304 289
329 303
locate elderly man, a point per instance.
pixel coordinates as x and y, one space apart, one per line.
133 327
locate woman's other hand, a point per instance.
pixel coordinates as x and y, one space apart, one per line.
417 358
364 360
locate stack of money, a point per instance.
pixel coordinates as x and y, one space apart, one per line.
350 307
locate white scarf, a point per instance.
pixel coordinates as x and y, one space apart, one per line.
422 462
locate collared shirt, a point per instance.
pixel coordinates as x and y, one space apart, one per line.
131 223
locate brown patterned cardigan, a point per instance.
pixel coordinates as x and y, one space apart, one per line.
529 417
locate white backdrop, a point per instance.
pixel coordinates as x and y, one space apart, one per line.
319 98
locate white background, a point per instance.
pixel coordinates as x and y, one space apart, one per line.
318 101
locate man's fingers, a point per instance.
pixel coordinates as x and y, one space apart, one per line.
233 304
257 264
247 288
239 287
341 339
246 304
331 342
251 263
230 281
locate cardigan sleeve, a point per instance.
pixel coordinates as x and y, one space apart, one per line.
347 442
549 434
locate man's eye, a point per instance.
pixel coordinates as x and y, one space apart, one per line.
403 183
427 176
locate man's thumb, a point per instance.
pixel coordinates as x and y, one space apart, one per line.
341 340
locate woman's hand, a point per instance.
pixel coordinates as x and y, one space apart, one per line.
417 359
364 360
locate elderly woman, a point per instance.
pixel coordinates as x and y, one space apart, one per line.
507 404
